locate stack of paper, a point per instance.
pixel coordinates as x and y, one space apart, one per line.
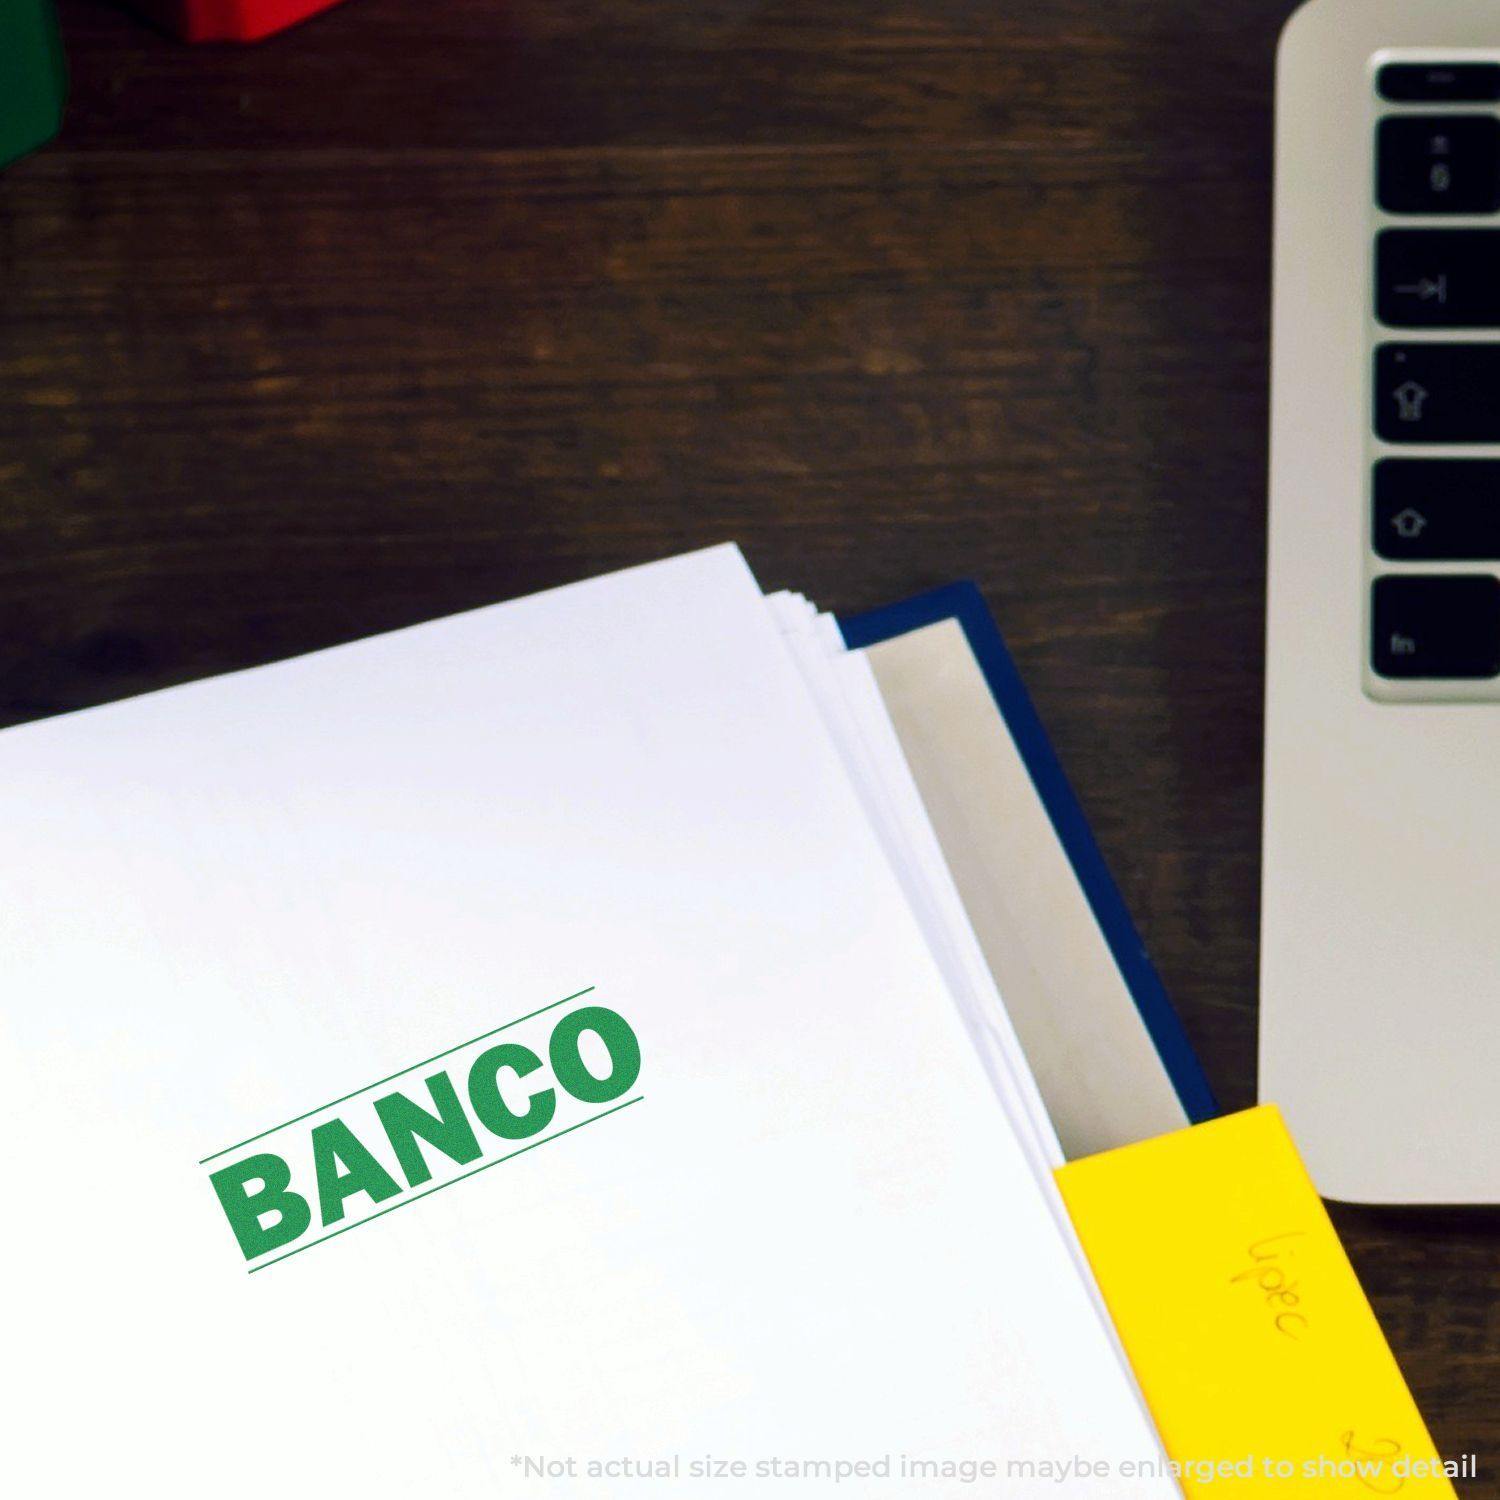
538 1052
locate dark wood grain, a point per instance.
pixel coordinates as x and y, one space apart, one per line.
432 302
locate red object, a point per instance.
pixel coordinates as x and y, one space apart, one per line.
229 20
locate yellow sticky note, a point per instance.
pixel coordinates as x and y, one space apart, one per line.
1257 1350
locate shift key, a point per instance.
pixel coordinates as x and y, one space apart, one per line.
1437 393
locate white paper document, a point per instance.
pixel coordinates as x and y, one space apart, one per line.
515 1056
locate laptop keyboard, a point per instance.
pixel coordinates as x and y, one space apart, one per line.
1436 386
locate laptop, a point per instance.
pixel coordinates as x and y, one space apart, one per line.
1380 1003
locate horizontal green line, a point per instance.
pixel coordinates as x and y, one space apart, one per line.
407 1202
344 1098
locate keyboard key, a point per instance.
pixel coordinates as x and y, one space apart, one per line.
1437 393
1436 627
1438 278
1439 164
1437 509
1439 83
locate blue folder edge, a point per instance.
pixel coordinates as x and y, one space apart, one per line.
963 602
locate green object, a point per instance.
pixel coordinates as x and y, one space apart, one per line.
33 76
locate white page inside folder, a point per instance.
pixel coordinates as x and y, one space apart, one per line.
518 1051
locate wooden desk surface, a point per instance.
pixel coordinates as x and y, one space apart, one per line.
433 302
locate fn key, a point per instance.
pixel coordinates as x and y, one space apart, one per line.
1436 627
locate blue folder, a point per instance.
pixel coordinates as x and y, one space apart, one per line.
963 603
